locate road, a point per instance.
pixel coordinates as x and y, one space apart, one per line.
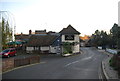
82 66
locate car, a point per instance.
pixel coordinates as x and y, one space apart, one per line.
8 52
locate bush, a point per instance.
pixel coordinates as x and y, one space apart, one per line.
114 63
67 47
119 72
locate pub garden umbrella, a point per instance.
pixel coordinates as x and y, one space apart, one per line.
14 43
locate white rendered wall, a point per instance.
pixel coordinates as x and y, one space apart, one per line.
52 49
76 48
44 48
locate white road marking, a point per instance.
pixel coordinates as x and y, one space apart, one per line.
71 63
78 61
86 58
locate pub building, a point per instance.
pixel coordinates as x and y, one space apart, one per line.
65 42
70 41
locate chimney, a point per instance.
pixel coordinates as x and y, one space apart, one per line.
21 33
30 32
44 30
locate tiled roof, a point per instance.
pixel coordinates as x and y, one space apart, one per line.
69 30
41 40
21 37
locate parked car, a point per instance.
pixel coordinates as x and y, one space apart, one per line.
8 52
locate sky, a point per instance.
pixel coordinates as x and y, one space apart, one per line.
86 16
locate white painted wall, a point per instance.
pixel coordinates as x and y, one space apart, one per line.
55 49
76 39
76 48
44 48
52 49
29 49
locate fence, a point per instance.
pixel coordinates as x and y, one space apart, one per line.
13 63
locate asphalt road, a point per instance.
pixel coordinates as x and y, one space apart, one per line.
82 66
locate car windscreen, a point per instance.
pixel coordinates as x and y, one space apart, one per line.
5 51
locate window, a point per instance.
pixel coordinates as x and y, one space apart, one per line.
12 50
69 37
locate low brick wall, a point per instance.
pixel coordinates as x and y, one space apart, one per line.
7 64
11 63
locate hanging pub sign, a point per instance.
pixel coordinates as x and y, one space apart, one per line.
69 37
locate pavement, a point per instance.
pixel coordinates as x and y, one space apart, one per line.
108 71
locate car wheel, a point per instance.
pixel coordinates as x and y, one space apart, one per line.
8 56
15 54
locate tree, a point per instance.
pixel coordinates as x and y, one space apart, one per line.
115 34
99 38
6 32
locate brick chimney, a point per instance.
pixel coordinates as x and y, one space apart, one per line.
30 32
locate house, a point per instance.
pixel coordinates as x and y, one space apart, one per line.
43 43
23 37
70 42
66 41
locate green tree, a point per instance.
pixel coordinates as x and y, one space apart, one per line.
115 34
99 38
6 32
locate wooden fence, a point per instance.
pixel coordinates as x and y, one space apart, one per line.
11 63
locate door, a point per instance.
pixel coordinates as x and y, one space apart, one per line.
12 52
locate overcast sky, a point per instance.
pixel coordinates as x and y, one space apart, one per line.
86 16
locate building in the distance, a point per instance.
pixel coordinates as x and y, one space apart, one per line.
67 41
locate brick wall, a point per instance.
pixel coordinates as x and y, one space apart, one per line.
7 64
11 63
